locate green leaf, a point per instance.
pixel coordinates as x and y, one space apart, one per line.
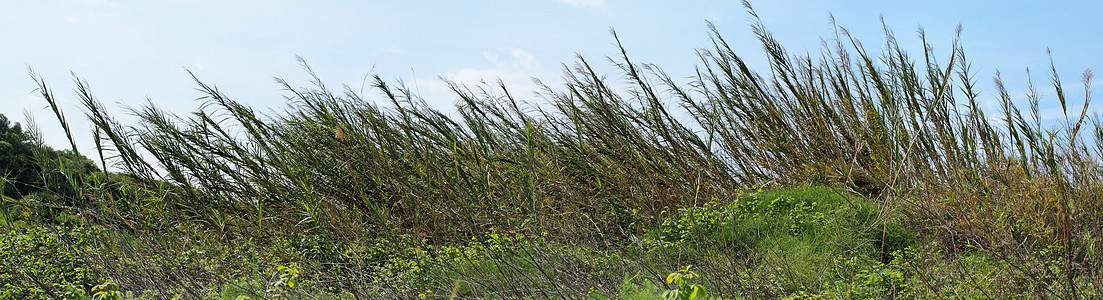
698 292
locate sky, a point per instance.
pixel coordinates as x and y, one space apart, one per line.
137 52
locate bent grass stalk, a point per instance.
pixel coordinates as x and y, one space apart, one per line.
907 133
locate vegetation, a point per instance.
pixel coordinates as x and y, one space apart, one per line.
15 153
844 175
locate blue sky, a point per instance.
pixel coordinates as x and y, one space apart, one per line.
131 51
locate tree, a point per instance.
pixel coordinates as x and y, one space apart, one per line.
16 165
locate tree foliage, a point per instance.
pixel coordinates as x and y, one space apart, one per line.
28 167
16 165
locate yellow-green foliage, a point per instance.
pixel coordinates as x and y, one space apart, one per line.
38 262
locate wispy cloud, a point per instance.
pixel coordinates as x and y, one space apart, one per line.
515 69
519 59
584 3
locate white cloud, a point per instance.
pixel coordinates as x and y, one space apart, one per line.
524 60
515 80
520 60
516 72
584 3
492 57
515 69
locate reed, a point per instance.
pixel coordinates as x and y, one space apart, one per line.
587 166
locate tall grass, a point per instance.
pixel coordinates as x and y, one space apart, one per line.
586 164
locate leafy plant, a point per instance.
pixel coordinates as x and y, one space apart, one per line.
687 288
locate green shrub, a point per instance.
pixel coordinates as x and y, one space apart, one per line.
38 262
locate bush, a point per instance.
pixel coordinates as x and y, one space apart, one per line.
39 262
